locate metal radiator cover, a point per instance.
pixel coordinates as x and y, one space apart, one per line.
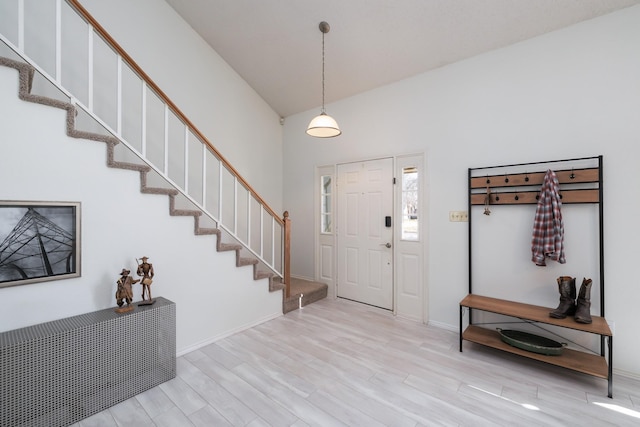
59 372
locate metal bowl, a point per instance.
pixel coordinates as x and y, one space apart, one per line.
530 342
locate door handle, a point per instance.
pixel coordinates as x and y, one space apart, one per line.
386 245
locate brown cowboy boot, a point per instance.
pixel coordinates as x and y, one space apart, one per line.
567 306
583 310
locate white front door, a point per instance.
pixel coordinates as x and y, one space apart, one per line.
365 232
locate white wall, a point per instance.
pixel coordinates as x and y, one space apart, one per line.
567 94
245 130
213 297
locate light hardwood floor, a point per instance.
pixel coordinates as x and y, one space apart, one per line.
339 363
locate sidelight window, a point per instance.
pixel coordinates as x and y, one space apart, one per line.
326 204
410 203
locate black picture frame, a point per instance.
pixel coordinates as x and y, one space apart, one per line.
39 241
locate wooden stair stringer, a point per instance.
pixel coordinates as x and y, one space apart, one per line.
25 76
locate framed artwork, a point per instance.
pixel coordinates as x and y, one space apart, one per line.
39 241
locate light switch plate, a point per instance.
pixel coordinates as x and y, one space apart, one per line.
458 216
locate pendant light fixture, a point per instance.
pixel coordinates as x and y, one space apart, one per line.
323 126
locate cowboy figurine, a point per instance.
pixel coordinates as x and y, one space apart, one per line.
146 271
124 292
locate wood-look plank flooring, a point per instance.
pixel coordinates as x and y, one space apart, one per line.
340 363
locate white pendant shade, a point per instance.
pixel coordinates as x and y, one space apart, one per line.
323 126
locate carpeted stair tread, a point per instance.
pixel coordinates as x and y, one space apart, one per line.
181 212
262 275
222 247
130 166
204 231
207 231
25 72
160 191
275 286
246 261
80 134
185 212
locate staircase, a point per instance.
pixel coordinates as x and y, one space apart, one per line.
26 74
242 221
302 292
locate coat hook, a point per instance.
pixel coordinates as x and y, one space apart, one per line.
517 198
506 178
487 201
526 177
488 180
573 175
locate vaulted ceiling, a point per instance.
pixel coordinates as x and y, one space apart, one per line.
276 46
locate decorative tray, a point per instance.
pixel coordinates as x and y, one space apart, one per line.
530 342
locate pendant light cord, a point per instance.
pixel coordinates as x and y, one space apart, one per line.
323 126
323 72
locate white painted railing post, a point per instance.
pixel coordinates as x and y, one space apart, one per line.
143 119
185 150
165 166
90 64
204 176
58 54
21 25
220 173
273 242
235 206
261 232
119 97
249 198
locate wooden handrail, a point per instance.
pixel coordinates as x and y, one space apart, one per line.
286 268
103 33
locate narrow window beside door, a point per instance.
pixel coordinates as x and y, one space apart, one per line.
410 203
325 205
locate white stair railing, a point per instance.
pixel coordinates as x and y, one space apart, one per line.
65 44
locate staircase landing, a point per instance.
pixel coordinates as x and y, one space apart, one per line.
311 292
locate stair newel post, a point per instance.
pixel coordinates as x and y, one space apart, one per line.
286 270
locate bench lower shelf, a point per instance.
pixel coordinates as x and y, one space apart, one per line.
580 361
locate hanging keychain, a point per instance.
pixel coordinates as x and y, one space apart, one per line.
487 201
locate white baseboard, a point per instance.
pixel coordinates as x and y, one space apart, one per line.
442 325
198 345
309 279
627 374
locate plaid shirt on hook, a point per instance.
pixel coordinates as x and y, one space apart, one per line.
548 228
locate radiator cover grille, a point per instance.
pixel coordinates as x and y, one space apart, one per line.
57 373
